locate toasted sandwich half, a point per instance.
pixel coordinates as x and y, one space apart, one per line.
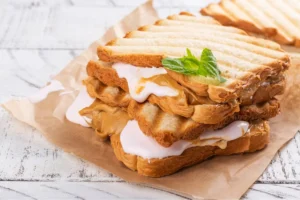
279 19
175 93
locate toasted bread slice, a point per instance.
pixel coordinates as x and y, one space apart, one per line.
242 59
167 129
278 19
256 139
186 104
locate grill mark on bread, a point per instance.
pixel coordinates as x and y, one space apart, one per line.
238 51
201 19
206 36
181 29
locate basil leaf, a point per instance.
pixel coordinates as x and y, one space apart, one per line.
189 65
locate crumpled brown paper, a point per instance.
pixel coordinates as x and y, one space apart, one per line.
218 178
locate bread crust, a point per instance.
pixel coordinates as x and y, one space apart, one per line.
257 139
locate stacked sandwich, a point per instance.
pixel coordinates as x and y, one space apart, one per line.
278 20
175 93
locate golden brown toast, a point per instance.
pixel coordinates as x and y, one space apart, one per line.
186 104
279 19
167 128
256 139
243 60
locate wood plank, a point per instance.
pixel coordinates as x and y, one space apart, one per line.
55 27
123 190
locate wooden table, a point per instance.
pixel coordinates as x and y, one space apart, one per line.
37 39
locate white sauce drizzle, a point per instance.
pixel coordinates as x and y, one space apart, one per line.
82 100
231 132
42 94
134 141
134 74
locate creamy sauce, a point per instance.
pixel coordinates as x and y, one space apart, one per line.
140 90
44 92
82 100
231 132
134 141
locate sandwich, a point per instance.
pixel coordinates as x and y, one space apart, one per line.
278 20
175 93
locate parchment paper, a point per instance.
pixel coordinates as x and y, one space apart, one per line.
218 178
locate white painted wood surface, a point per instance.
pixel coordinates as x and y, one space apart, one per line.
37 39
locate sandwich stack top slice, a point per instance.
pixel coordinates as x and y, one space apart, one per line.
244 61
279 19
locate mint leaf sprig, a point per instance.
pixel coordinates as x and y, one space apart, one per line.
190 65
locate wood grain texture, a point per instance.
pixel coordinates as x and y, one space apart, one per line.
37 39
123 190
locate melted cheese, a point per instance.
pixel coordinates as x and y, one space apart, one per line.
231 132
134 141
139 89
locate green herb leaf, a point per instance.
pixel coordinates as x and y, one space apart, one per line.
190 65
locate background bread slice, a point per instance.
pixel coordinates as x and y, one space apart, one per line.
256 139
278 19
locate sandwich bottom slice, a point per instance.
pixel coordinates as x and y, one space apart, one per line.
145 155
148 157
256 138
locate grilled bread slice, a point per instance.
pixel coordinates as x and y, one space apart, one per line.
256 139
186 104
279 20
167 129
243 60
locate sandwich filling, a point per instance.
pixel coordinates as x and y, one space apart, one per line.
139 82
134 141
